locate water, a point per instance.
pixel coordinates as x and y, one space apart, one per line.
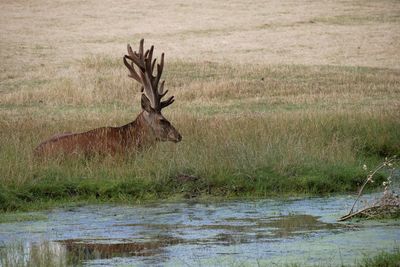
228 233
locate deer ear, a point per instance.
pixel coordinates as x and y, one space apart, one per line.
146 104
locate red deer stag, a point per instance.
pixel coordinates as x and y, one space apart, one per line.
149 126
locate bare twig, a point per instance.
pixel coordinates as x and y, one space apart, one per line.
387 163
369 179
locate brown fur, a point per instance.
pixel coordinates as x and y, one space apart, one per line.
106 140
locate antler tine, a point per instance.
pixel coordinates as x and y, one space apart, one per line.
161 90
148 88
153 64
149 59
159 71
148 66
133 74
141 48
144 75
139 60
135 57
167 102
130 51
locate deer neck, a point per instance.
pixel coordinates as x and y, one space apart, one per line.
139 132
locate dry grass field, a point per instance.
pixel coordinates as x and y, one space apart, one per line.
271 96
43 34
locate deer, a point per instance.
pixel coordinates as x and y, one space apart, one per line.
149 127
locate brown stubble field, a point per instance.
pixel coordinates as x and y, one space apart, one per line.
351 33
45 45
295 89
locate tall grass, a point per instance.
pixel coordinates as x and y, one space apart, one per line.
55 254
42 254
247 131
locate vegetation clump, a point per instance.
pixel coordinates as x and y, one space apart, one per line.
383 259
388 205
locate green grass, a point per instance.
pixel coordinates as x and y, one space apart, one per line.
21 217
383 259
248 131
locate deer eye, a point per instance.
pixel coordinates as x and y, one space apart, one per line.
164 121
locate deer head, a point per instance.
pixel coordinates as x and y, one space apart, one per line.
141 68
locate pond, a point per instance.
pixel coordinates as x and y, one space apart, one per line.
258 232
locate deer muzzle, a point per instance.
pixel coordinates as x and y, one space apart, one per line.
174 136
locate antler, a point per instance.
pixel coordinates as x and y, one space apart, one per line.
144 75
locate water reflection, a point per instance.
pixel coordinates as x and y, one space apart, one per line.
88 249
